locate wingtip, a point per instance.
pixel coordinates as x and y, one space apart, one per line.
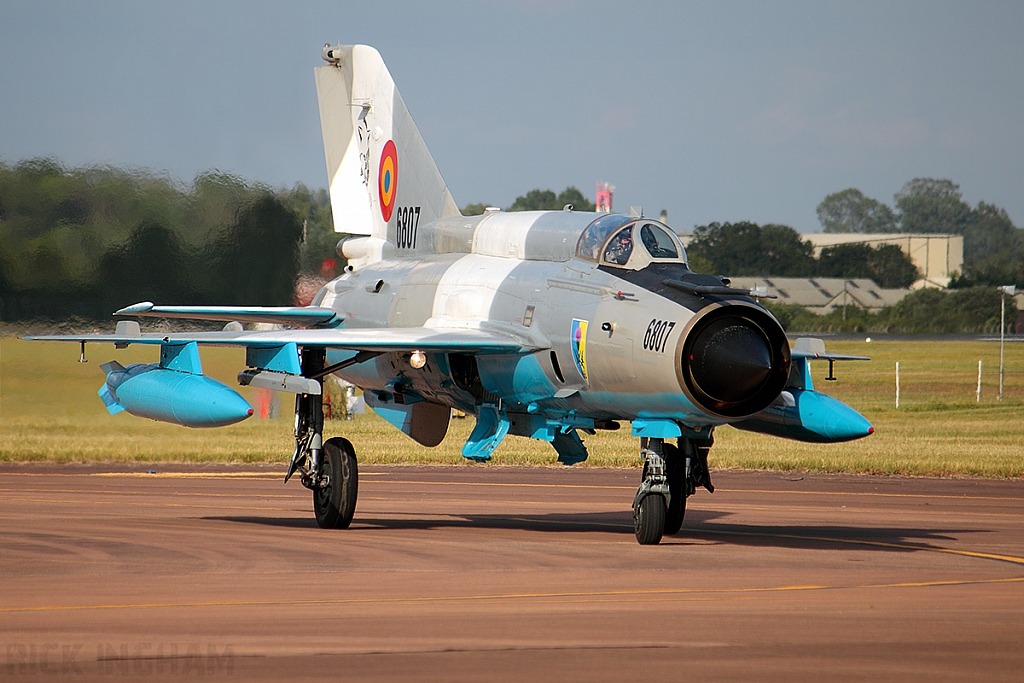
134 309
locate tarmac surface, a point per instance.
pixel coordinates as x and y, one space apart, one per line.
484 573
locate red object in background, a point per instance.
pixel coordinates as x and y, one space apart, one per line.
263 398
329 269
604 197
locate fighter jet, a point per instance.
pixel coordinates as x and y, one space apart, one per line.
541 324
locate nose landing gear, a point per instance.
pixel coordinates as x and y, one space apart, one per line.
650 505
671 474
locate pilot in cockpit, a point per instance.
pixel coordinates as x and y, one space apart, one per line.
620 247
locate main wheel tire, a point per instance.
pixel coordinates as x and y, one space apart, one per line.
649 519
335 503
675 471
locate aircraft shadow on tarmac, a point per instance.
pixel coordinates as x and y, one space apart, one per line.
699 525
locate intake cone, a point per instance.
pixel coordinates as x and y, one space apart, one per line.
735 361
730 360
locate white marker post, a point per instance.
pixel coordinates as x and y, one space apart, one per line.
1004 291
897 385
979 382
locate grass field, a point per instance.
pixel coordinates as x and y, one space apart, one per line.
49 411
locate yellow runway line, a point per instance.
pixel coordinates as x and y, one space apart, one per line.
146 504
867 493
552 597
880 544
135 492
169 475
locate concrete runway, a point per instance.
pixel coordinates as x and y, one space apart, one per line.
484 573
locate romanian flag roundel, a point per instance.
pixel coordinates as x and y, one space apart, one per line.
387 179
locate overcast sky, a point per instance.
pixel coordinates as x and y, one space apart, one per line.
714 111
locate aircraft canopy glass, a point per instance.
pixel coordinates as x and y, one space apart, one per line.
658 242
594 236
611 239
619 247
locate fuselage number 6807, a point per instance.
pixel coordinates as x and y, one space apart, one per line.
657 335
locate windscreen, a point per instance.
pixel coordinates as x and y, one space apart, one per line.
657 242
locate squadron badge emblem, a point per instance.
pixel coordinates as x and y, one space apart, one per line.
579 346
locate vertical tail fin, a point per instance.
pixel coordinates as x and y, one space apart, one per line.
383 181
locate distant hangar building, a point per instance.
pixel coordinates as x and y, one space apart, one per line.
822 295
937 257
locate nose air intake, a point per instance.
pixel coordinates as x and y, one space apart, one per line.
730 359
735 361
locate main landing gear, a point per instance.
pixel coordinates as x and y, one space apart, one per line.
334 500
328 468
671 474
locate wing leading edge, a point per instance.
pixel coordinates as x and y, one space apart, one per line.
282 315
384 340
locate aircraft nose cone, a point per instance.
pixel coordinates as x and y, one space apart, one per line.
730 360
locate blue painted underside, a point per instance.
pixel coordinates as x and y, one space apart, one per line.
171 396
812 417
181 357
491 427
283 358
397 415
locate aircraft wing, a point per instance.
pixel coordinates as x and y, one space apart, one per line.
814 349
284 315
384 340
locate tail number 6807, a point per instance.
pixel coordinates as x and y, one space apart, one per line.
407 225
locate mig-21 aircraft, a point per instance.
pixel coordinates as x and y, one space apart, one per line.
541 324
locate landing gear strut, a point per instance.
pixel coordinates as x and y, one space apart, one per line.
671 474
328 469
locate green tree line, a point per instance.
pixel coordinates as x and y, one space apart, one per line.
539 200
746 248
86 241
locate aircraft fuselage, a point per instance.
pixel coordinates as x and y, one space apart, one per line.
614 335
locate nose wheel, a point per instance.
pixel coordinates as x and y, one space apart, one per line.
649 519
653 498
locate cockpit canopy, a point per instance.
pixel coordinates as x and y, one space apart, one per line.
613 240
